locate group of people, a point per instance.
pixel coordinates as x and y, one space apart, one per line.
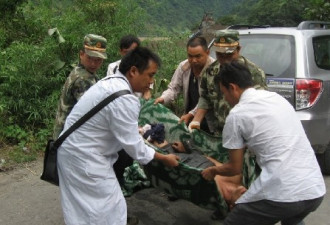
224 96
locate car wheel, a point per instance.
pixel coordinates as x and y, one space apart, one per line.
324 161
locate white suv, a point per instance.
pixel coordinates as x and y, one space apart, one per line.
297 64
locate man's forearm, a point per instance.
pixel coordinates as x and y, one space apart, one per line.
199 115
226 170
235 164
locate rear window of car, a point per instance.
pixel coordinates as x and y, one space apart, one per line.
275 54
321 47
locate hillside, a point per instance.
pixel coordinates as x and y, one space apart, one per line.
185 14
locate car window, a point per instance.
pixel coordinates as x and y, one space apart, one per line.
275 54
321 47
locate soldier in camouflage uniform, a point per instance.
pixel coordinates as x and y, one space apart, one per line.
81 78
227 49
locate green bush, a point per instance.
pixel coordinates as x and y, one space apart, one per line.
34 66
172 50
28 78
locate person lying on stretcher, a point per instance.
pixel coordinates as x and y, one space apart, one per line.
230 188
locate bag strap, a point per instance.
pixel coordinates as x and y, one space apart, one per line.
88 115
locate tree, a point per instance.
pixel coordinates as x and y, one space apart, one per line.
31 76
277 13
318 10
34 65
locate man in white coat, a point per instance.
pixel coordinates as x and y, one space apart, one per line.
186 79
90 192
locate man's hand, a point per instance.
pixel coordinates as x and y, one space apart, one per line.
209 173
178 146
194 125
147 94
236 194
159 100
186 118
170 160
159 145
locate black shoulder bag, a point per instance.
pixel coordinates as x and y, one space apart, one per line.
50 173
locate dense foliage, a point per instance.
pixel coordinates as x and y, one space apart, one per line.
277 13
40 41
184 14
34 65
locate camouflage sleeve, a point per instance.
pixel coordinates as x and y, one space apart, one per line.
203 102
207 90
75 86
58 127
258 75
222 112
79 87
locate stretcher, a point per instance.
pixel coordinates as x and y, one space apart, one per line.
185 181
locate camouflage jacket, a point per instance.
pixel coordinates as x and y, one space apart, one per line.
211 98
79 81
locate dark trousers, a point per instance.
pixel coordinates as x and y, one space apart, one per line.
123 161
267 212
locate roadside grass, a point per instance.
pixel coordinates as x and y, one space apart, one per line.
12 156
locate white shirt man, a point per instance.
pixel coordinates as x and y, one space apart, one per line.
267 124
290 184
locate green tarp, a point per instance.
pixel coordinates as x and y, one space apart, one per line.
184 181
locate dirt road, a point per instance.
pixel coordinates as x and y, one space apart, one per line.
25 199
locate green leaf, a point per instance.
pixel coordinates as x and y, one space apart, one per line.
59 64
54 32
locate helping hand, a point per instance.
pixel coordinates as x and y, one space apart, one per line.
159 100
171 160
193 125
186 118
209 173
178 146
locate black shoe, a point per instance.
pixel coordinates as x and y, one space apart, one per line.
132 220
217 215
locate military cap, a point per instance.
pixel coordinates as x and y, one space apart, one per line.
226 41
95 46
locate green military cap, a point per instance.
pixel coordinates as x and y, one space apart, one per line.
95 46
226 41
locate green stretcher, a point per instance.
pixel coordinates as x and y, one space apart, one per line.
184 181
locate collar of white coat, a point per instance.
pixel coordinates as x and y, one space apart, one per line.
121 76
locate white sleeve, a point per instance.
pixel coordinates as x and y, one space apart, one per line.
124 124
175 86
231 135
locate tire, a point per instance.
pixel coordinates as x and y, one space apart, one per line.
324 161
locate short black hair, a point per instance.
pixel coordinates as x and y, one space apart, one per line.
235 73
128 40
138 57
197 41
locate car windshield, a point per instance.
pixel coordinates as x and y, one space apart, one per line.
275 54
321 47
